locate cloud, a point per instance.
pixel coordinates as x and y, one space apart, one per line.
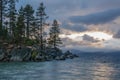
83 44
90 39
74 27
82 13
117 35
86 41
97 18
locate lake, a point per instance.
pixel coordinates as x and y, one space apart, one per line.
86 67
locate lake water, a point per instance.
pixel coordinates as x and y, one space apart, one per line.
86 67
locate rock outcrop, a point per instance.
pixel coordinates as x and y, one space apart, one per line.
34 54
20 54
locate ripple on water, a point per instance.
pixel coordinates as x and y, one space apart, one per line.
76 69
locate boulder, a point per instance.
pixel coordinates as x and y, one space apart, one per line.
69 55
2 52
62 57
4 55
40 58
20 54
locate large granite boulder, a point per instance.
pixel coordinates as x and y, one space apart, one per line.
2 52
4 56
20 54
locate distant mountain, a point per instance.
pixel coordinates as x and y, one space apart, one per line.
95 52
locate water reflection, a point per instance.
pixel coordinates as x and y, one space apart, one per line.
77 69
102 71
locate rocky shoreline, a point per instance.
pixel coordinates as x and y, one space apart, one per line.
33 54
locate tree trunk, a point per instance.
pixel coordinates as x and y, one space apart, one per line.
41 31
1 14
27 29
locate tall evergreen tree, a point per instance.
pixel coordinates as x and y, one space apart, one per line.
28 11
12 16
3 7
54 39
20 29
41 18
2 10
34 29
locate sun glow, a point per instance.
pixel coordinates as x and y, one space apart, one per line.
100 35
96 35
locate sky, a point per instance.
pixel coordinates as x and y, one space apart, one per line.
86 25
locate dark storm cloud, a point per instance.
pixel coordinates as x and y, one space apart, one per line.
97 18
78 28
74 27
62 9
90 39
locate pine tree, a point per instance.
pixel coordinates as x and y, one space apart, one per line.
54 39
3 4
41 18
3 8
34 29
20 29
12 16
28 11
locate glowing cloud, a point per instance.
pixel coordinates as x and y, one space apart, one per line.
96 35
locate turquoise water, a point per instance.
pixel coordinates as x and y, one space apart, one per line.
86 67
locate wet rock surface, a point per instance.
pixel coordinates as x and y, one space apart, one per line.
34 54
